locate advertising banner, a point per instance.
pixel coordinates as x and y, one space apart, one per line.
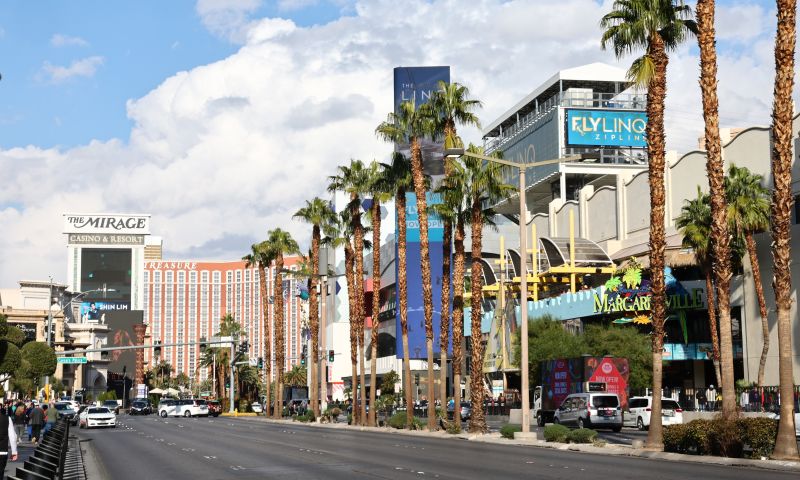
416 310
96 310
121 334
606 128
118 223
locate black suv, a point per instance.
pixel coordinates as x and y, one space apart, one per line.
140 407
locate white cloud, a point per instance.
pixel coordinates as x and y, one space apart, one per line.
288 5
61 40
85 67
227 18
741 23
224 152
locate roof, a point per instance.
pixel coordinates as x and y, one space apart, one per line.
675 255
592 72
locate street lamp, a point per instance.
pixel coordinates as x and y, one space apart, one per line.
523 244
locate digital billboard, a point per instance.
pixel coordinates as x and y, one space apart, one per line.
416 309
106 269
606 128
94 310
121 334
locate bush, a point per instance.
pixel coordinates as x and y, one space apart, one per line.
725 437
582 435
453 428
398 421
507 430
306 417
759 434
674 437
697 438
556 433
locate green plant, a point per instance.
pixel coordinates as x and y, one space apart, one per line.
507 430
582 435
398 420
697 438
674 437
556 433
306 417
725 437
759 434
453 428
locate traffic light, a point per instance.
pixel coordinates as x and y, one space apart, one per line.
243 347
330 356
203 344
303 358
260 363
157 349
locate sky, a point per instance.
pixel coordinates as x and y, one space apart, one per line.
221 117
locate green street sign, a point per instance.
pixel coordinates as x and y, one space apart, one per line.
71 359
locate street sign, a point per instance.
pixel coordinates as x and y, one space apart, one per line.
71 359
252 362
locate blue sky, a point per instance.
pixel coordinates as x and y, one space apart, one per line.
132 46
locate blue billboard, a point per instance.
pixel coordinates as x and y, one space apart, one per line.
416 308
606 128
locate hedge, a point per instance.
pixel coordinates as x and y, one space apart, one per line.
753 437
398 421
582 435
507 430
556 433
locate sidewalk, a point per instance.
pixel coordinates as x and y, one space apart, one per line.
609 449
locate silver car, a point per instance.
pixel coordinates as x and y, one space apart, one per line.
591 410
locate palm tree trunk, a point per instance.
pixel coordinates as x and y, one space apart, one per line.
762 304
376 306
712 323
313 320
402 286
458 319
444 327
358 281
280 349
477 422
785 444
425 267
262 287
720 241
657 91
349 261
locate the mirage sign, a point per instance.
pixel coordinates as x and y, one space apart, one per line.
606 128
115 223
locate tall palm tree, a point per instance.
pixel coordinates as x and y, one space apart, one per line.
296 377
451 105
317 212
398 174
720 239
279 243
261 256
694 223
484 187
410 125
354 179
657 26
780 213
748 214
380 190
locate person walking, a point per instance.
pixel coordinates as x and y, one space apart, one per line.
8 442
19 419
51 415
37 421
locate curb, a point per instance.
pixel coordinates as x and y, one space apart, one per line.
618 450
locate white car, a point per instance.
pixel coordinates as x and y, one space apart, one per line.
97 417
777 416
188 407
639 411
256 407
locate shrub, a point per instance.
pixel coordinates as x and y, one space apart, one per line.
398 420
453 428
759 434
306 417
697 438
556 433
725 437
582 435
674 436
507 430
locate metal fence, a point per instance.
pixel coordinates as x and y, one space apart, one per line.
753 399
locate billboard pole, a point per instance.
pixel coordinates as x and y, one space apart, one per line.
233 366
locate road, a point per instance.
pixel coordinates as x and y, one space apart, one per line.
223 448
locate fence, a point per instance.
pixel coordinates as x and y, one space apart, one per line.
753 399
49 459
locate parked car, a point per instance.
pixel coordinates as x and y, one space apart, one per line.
777 416
112 405
66 411
256 407
639 411
466 410
214 407
97 417
140 407
189 407
591 410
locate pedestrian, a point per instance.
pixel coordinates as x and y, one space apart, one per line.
51 414
701 400
19 419
36 421
8 443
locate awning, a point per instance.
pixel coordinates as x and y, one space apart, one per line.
675 254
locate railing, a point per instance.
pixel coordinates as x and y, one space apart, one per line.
753 399
49 459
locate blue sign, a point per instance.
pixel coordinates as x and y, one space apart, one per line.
95 310
606 128
416 84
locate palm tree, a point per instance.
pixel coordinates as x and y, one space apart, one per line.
484 187
296 377
780 213
261 256
658 26
279 243
318 213
354 179
409 125
398 174
380 191
451 105
694 223
748 214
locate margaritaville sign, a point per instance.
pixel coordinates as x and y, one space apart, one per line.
632 294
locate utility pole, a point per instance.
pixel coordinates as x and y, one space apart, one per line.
49 337
233 367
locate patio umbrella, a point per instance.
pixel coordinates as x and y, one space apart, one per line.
157 391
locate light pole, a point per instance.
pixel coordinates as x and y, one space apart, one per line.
523 247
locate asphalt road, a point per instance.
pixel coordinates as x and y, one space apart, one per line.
222 448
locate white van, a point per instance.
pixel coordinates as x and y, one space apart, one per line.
639 411
590 410
189 407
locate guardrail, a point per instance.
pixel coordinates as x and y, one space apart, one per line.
49 459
